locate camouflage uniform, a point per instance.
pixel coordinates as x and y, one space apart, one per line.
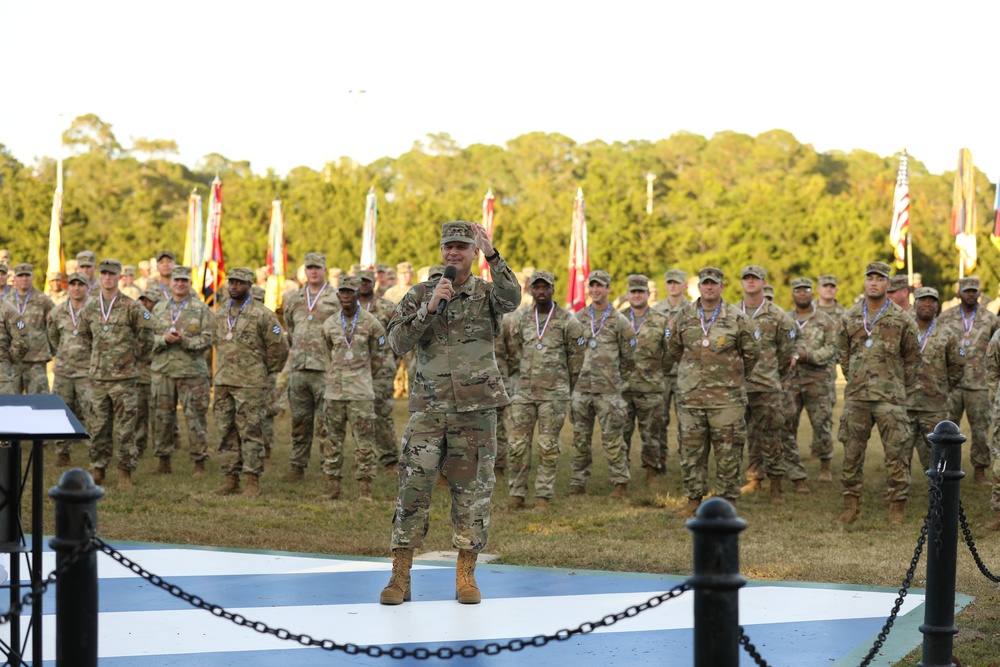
181 372
993 378
834 312
500 345
71 380
608 359
29 375
545 379
877 378
350 392
711 392
808 387
456 390
309 362
144 383
396 293
645 388
255 348
117 347
670 396
972 396
13 345
386 447
942 364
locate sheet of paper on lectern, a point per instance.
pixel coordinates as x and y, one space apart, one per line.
24 419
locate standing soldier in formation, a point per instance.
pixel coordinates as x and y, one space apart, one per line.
33 307
993 377
878 350
545 355
676 283
942 364
249 346
899 291
5 289
645 387
306 310
386 449
828 305
55 290
765 416
71 381
144 383
608 360
116 330
404 275
274 408
128 286
716 347
13 345
974 326
86 263
456 389
354 344
165 263
808 383
182 334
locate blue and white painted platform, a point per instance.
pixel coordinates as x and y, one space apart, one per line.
336 598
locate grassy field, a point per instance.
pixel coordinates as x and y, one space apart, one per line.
796 542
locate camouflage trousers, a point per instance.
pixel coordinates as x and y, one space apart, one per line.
976 406
610 412
855 428
669 397
647 409
6 378
995 453
239 419
193 395
305 402
794 470
113 411
272 410
922 422
700 430
75 393
143 406
765 420
30 378
361 415
550 417
815 399
503 438
386 444
461 446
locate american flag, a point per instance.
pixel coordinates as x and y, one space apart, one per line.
484 266
900 228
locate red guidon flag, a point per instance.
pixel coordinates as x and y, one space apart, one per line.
484 266
579 257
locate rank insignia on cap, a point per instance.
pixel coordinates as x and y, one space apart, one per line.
756 334
145 315
632 342
579 341
276 330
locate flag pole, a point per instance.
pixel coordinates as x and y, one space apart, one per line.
909 258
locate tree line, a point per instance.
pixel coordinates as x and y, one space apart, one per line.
728 200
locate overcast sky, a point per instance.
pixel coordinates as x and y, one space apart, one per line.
269 82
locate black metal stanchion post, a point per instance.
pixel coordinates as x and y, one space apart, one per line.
942 550
76 589
716 581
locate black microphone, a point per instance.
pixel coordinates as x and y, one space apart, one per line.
450 273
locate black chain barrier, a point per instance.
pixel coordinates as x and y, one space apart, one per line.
374 651
967 534
751 649
38 589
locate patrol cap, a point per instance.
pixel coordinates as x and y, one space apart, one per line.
3 268
828 279
352 283
110 266
152 295
676 276
79 277
638 282
181 273
54 275
242 274
544 276
355 268
365 274
257 293
128 270
315 259
381 268
459 231
921 292
391 273
24 269
404 266
768 291
898 282
711 273
436 270
755 271
86 258
600 277
802 282
878 268
964 284
164 253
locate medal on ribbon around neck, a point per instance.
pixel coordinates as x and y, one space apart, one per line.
311 302
349 339
539 332
230 320
106 315
595 332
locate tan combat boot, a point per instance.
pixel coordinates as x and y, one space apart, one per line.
542 504
801 487
295 474
979 477
995 524
63 461
652 477
124 479
777 498
896 511
620 492
99 475
230 487
199 468
164 467
824 471
398 589
365 490
515 503
688 511
752 486
577 490
851 513
252 489
466 590
332 489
